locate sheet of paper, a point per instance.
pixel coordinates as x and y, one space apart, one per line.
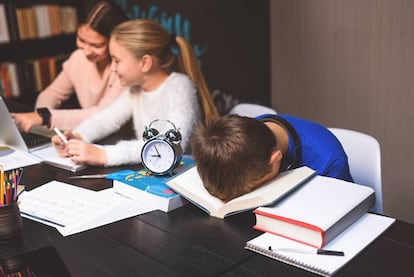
12 158
71 209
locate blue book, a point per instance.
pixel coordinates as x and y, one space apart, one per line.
150 189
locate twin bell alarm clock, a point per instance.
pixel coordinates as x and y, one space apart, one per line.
161 153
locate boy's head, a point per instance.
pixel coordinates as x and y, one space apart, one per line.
234 155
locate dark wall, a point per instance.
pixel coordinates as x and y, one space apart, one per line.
350 64
230 38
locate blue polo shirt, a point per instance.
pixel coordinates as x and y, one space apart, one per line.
319 148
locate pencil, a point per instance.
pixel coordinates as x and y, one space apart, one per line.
1 185
7 201
14 185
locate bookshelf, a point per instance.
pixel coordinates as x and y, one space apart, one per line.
36 30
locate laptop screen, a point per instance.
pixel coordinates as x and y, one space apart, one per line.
11 136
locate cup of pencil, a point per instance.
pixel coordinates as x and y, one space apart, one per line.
10 219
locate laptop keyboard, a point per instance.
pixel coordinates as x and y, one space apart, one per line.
34 140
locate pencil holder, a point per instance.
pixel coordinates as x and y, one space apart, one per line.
10 222
11 266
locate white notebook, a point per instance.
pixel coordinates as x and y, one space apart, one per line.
49 156
351 241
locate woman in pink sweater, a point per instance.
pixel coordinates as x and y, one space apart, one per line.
86 73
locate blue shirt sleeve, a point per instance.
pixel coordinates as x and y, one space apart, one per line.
339 169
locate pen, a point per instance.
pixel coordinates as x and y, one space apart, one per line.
60 135
309 251
92 176
43 219
1 185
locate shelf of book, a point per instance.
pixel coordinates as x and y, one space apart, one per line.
33 32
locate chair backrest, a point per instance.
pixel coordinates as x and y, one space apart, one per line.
364 158
251 110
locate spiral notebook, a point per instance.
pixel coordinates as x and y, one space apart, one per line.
351 241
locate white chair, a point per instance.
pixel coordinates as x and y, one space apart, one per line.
364 158
251 110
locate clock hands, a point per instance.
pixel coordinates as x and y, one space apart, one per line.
158 153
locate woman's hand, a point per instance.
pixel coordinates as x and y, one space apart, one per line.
25 121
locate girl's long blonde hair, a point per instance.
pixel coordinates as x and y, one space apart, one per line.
147 37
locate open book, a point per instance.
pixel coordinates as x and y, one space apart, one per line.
189 185
351 241
317 212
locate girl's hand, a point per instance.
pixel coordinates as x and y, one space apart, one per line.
60 145
82 152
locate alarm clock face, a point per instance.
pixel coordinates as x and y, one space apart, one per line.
159 156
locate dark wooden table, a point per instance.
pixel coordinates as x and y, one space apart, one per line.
185 242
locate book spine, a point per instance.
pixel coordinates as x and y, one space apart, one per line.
20 78
349 218
28 78
11 21
21 23
37 75
4 79
31 23
42 21
44 70
54 20
14 79
161 203
4 28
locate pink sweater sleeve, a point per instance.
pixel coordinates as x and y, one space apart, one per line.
93 91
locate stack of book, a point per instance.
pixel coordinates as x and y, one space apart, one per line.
313 222
29 76
45 20
320 227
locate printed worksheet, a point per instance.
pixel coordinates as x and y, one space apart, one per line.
71 209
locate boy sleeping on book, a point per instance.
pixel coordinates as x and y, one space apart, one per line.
236 154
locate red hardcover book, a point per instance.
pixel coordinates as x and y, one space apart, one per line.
317 212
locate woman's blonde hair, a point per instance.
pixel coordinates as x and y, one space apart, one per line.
147 37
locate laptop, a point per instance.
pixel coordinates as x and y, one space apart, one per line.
11 136
37 145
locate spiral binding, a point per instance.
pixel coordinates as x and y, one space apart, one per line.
286 259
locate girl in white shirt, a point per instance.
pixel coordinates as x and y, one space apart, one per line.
142 59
